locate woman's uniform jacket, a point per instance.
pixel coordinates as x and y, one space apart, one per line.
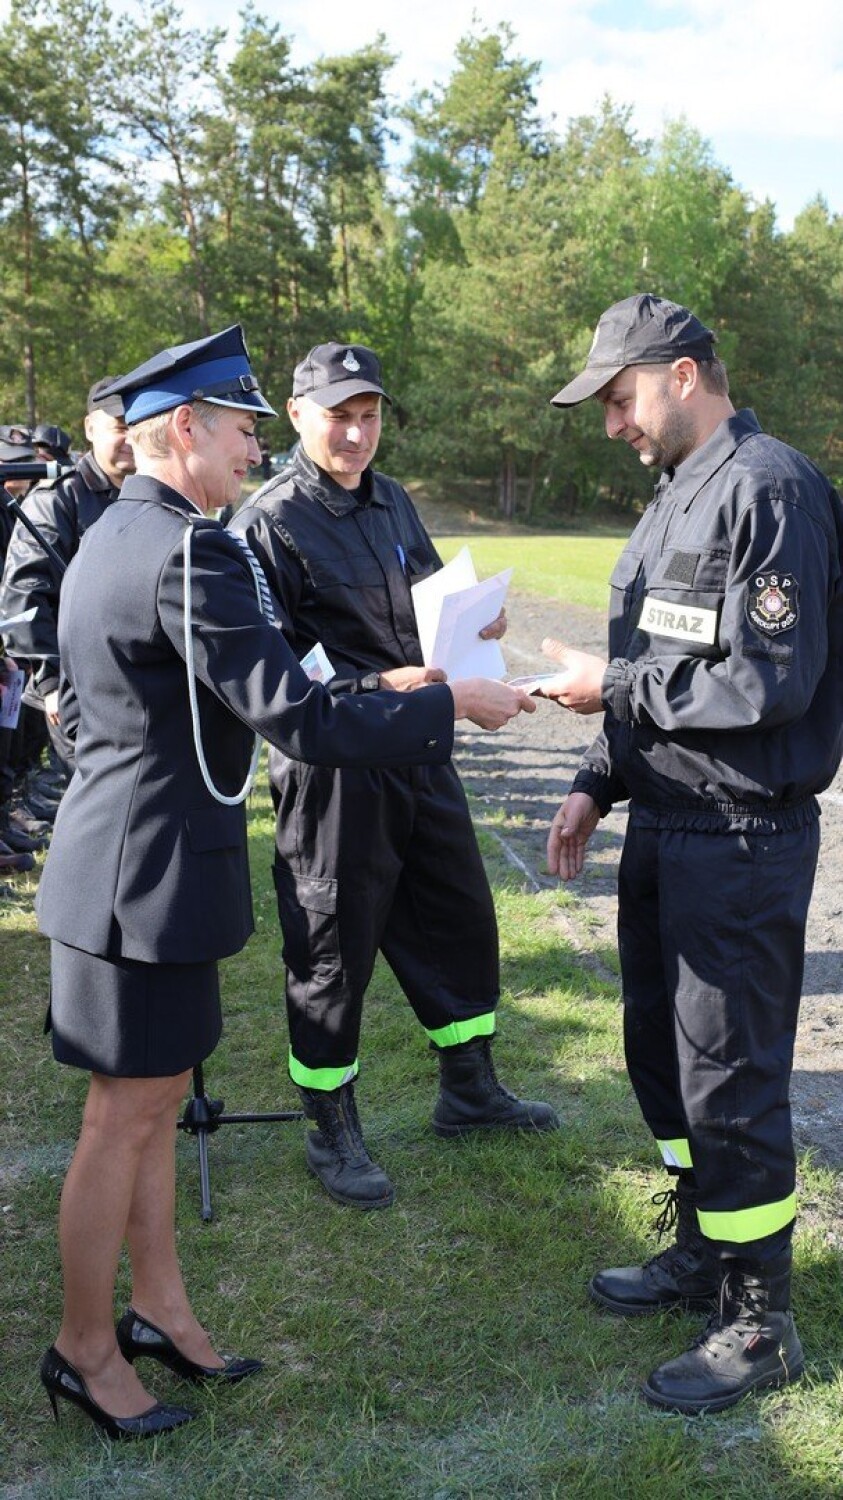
144 862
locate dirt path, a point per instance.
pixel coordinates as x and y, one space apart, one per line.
525 770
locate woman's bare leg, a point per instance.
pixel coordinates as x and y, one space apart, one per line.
158 1291
123 1121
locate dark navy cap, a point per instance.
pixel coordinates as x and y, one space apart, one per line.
332 373
643 330
15 453
214 369
55 439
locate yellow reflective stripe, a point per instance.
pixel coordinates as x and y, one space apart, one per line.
463 1031
745 1224
676 1153
321 1078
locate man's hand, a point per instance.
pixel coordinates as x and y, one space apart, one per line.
405 679
51 707
580 683
487 703
497 628
570 831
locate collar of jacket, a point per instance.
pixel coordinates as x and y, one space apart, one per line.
323 488
688 479
94 476
144 487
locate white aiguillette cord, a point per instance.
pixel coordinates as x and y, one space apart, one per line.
265 605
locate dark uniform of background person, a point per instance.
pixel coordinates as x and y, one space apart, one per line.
369 859
16 846
62 508
723 721
168 661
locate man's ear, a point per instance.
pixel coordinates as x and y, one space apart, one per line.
293 413
686 374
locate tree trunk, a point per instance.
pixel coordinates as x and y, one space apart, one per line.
531 486
28 235
508 481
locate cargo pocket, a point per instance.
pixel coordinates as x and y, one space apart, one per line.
307 911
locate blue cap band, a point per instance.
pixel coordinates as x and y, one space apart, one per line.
178 386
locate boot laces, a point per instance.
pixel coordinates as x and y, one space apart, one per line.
741 1311
668 1202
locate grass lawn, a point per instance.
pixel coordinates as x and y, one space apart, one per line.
443 1348
558 566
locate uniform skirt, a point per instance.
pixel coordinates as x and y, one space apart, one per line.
129 1019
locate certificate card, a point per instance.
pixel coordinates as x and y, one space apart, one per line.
451 609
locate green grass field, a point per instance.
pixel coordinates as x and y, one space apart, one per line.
571 567
445 1348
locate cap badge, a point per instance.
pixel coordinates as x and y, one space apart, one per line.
350 363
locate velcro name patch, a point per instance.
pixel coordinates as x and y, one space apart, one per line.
681 622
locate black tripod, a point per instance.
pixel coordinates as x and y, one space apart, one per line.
202 1116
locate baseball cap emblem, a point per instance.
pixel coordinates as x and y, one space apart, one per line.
350 363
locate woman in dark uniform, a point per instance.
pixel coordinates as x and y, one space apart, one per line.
170 662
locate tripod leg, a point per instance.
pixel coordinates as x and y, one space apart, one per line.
204 1176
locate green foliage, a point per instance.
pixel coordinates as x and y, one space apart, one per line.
155 183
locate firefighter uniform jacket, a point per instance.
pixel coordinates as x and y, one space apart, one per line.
725 679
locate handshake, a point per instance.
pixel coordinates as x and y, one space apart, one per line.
577 685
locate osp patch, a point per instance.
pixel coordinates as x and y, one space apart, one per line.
772 605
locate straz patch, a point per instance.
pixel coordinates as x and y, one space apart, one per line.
773 603
682 622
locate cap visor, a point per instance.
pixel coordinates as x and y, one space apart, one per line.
251 401
333 395
587 384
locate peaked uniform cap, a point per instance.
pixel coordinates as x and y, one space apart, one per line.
214 369
642 330
332 373
15 453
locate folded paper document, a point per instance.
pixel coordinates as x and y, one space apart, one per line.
451 610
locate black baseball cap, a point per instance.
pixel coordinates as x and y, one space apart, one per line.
332 373
642 330
99 401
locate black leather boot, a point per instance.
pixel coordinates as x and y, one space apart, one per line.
336 1151
685 1274
749 1344
471 1098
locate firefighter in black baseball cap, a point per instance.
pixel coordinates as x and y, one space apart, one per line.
721 703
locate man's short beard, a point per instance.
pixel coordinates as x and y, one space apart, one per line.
675 439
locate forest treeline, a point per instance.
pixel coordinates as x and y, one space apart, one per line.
159 181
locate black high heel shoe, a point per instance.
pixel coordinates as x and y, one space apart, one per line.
60 1378
137 1337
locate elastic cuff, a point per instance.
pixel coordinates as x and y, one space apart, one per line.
617 681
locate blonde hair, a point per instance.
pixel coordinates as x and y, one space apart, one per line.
151 434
